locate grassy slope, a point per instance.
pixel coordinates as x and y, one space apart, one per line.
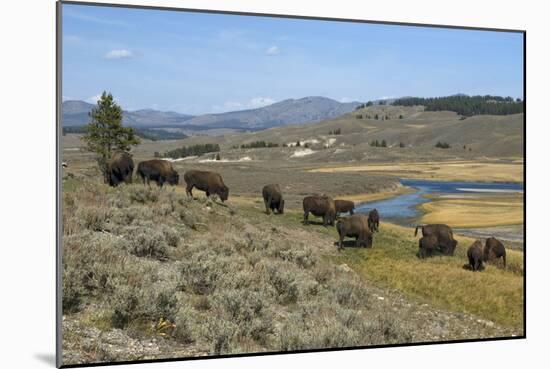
493 294
213 278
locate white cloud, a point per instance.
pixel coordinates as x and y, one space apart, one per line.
347 99
93 99
255 102
260 101
273 50
119 54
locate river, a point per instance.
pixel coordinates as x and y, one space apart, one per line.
403 209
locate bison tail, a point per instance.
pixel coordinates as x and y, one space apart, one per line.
416 229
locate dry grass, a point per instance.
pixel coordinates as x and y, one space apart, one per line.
451 170
478 211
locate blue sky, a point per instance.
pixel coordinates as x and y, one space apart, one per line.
208 63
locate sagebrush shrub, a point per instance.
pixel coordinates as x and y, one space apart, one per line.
146 242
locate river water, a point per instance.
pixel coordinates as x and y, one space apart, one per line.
403 209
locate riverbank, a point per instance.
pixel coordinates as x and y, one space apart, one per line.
474 211
460 170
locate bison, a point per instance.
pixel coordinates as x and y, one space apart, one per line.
475 256
354 226
344 206
494 249
320 206
444 235
160 171
426 246
374 220
273 199
209 182
118 169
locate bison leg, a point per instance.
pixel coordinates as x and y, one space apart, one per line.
351 212
340 243
189 190
306 215
266 203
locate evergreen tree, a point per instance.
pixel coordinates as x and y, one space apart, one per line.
105 133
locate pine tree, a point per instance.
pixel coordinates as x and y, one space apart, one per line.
105 133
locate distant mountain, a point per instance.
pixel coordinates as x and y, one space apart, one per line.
290 111
75 113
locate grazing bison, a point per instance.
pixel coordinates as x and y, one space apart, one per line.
344 206
157 170
118 169
209 182
426 246
444 234
354 226
494 249
475 256
320 206
374 220
273 199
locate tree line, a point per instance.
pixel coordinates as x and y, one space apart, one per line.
192 150
259 144
467 105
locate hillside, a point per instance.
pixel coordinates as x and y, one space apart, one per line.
151 273
496 136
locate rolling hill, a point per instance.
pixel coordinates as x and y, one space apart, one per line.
417 130
290 111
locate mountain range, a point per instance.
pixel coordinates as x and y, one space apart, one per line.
289 111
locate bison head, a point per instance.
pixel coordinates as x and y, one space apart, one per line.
281 208
224 193
173 178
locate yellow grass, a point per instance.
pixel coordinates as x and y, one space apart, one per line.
494 294
479 211
448 170
366 197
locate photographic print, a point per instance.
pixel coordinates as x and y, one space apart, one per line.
236 184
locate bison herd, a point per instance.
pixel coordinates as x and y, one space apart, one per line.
436 238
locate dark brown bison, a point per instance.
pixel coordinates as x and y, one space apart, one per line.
374 220
209 182
475 256
273 199
160 171
426 246
344 206
493 250
118 169
320 206
444 234
354 226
